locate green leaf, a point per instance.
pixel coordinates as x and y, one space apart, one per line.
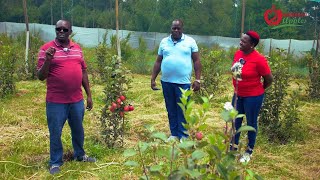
149 127
183 101
246 128
131 163
222 170
251 174
155 168
144 177
198 154
186 144
202 144
240 115
205 99
203 127
205 106
188 93
159 135
183 108
258 177
226 116
233 113
143 146
194 173
129 152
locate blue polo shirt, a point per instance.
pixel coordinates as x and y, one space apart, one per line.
176 66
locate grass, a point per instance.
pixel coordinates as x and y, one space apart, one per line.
24 137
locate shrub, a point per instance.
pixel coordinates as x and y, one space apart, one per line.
8 59
213 66
115 78
201 156
314 76
34 45
279 114
139 62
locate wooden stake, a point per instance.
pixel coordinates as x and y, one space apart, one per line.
27 34
243 15
117 30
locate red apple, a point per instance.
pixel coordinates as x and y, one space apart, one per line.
199 135
126 108
111 109
113 105
131 108
121 113
122 98
119 101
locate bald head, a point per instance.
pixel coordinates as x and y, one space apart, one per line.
63 31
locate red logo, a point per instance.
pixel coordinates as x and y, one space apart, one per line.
273 16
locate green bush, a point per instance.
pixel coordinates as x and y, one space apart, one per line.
141 61
314 76
214 64
279 116
35 42
201 156
8 59
115 78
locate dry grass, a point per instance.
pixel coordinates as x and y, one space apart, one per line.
24 144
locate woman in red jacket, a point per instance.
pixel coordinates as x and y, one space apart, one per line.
251 76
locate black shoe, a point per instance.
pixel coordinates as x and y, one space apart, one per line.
86 158
54 169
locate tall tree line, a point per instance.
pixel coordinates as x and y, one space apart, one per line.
201 17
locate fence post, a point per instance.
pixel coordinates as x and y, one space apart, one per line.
289 47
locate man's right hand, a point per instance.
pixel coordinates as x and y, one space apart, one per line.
50 53
154 85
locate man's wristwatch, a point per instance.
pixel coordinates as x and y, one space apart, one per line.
197 80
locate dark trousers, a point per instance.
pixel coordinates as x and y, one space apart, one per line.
250 106
57 114
172 94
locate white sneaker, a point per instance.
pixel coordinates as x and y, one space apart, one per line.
245 158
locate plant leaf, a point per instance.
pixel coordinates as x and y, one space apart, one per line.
155 168
129 152
246 128
131 163
143 146
160 135
198 154
186 144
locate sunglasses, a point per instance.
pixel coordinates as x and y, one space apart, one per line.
175 28
63 29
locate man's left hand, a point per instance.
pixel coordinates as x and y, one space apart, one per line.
196 86
89 103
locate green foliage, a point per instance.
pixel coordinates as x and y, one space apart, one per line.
213 66
35 43
221 18
200 156
8 59
126 49
141 61
314 76
279 115
117 83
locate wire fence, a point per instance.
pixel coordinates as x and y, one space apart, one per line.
91 37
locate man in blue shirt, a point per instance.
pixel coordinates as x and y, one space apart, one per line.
176 56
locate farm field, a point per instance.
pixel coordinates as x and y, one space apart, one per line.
24 137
